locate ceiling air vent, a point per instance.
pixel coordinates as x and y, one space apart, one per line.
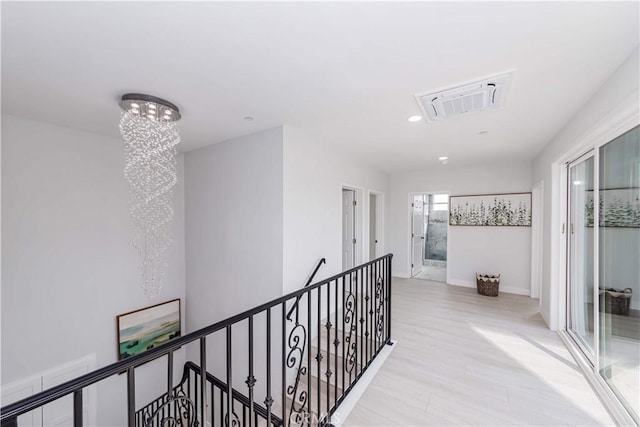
486 94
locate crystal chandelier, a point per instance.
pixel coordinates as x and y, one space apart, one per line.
149 129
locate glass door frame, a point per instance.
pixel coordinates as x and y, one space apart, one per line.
592 357
621 120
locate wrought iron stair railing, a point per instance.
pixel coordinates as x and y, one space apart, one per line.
266 367
161 410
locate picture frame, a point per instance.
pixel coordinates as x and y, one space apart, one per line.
481 210
146 328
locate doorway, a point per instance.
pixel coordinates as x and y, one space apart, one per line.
351 227
429 228
376 214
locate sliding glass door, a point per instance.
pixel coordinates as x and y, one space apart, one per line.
603 263
581 254
619 242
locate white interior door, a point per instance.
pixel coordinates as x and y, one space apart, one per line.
417 234
373 227
348 229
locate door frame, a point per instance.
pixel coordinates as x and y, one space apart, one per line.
537 239
359 220
412 235
409 212
379 222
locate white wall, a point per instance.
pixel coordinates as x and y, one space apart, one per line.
603 111
234 222
314 173
67 267
504 250
233 226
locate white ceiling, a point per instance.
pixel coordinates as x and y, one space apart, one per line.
345 71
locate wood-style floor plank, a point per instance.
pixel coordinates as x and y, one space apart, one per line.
463 359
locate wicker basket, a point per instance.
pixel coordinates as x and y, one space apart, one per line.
488 284
617 301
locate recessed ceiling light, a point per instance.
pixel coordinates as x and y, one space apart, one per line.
415 118
443 158
248 118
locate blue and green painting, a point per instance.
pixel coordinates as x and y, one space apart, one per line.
146 329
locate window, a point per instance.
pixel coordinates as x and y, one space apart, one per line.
440 202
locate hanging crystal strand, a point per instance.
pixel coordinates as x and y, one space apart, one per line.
150 170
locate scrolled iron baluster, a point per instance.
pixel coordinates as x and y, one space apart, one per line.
379 308
183 416
349 319
235 421
328 371
297 343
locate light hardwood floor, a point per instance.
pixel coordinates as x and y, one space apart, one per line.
465 359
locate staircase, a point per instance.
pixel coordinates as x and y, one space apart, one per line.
312 347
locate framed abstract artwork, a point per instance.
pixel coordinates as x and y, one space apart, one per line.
147 328
512 209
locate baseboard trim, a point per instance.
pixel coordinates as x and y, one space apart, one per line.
601 389
505 289
400 275
342 412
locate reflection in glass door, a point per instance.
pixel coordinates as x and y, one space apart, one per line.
581 255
